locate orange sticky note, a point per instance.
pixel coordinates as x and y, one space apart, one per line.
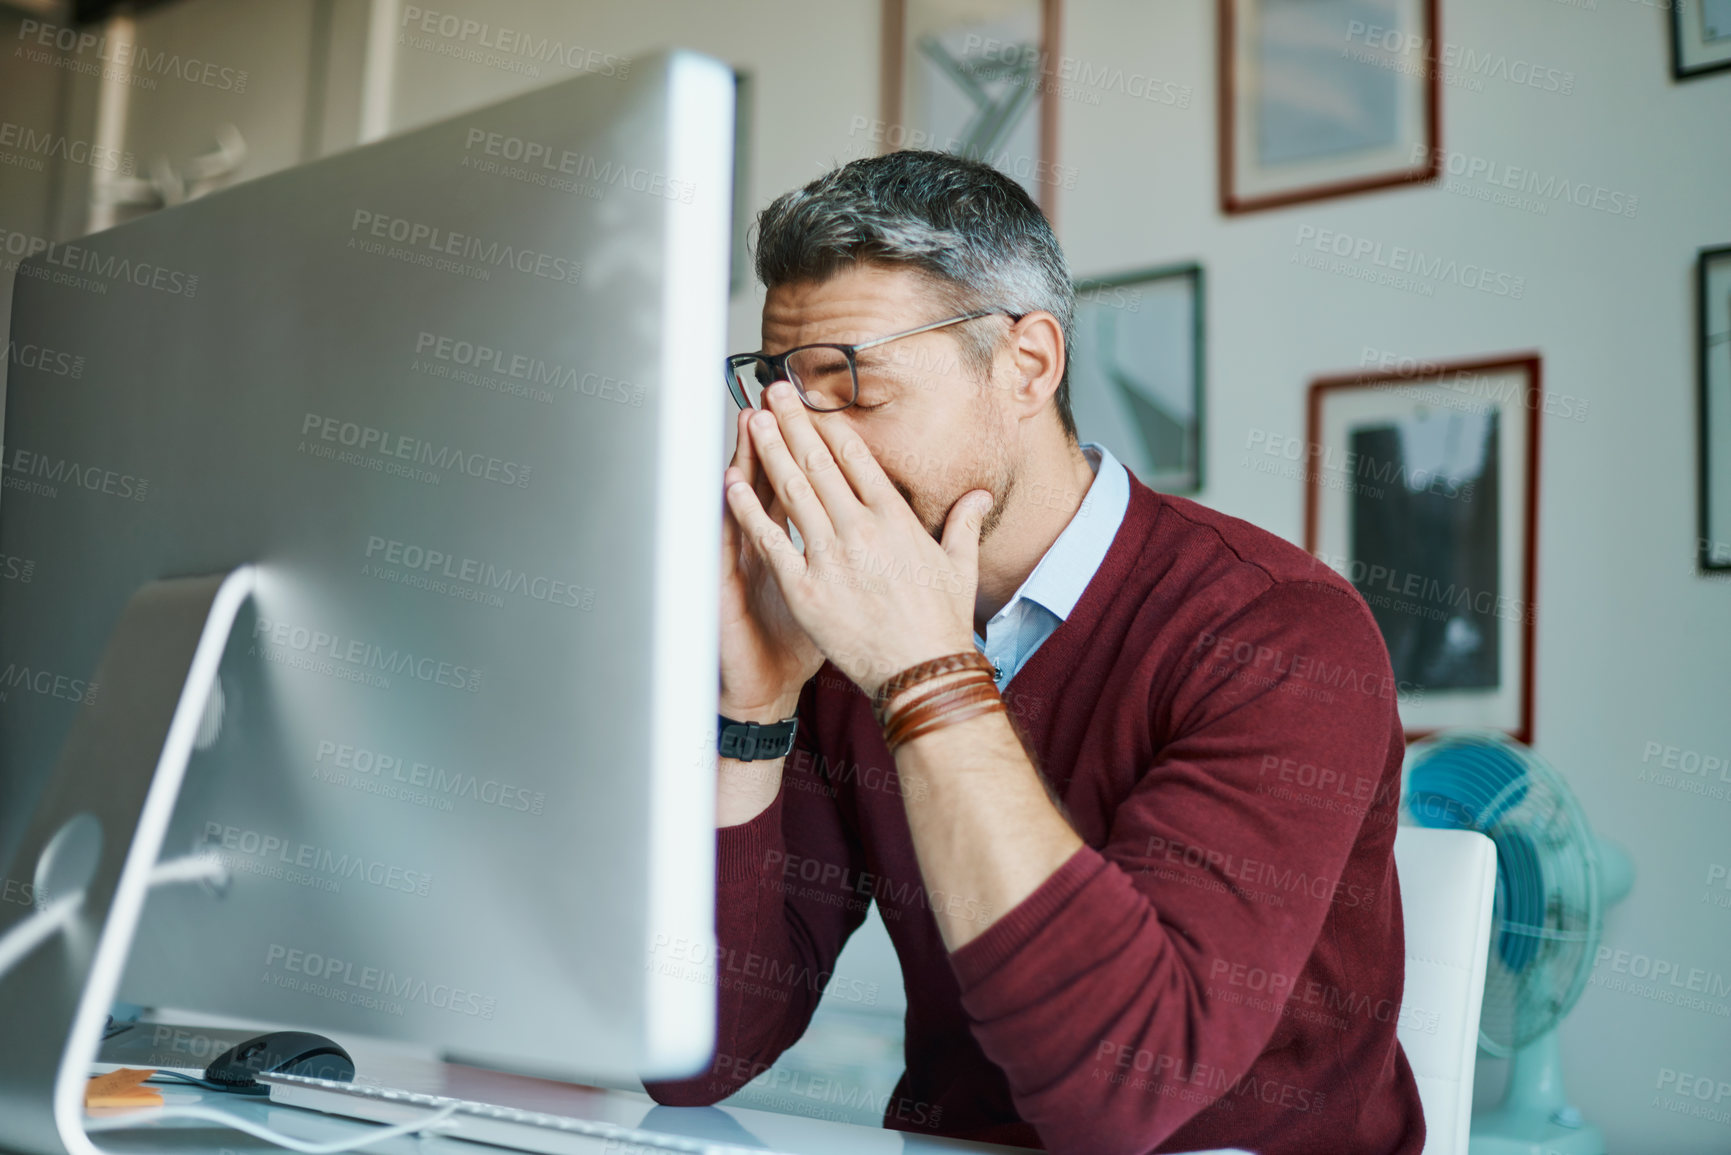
122 1088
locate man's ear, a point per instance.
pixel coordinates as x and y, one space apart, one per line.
1038 353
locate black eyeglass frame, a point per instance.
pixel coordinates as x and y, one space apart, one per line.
777 362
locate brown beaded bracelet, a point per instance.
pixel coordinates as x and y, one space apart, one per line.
984 701
948 664
935 705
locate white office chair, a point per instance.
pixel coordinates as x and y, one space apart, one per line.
1447 883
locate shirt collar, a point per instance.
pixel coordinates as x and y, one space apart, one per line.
1070 564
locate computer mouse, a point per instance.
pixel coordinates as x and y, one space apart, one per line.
288 1052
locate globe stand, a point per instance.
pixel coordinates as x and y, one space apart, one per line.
1526 1121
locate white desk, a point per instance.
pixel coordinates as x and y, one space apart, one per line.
391 1067
737 1125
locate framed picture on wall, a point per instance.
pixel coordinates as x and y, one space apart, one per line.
1424 495
1713 277
739 274
1137 372
1322 98
1700 37
970 77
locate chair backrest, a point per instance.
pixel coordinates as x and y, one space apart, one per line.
1447 884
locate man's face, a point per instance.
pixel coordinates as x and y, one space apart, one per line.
937 430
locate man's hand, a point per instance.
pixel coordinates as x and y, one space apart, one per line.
872 589
765 656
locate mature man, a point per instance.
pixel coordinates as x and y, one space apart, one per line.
1139 870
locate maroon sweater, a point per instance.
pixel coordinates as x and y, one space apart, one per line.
1220 965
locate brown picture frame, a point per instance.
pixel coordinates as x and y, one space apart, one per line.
1465 385
1713 416
893 73
1233 201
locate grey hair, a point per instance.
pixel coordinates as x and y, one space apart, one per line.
972 233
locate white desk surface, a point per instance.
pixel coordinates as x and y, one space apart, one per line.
737 1125
740 1126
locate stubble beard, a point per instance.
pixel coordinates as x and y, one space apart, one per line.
934 512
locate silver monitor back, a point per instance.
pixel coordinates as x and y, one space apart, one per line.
455 394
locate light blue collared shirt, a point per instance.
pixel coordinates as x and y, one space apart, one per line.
1053 589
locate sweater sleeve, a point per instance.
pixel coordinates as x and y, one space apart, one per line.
791 886
1126 961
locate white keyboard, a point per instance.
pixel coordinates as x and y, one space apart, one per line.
487 1122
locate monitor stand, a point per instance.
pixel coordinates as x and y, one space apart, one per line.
90 852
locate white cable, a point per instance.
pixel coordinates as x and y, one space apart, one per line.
259 1131
46 921
190 868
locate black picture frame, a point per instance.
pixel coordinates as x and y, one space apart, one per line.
1132 441
1683 44
1713 369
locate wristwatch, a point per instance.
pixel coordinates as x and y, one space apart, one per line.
756 741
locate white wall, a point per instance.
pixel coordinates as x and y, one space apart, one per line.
1632 648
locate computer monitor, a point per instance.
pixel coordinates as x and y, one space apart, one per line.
456 396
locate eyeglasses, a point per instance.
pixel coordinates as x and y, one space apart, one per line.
826 375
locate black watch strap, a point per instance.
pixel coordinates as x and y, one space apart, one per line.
755 741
